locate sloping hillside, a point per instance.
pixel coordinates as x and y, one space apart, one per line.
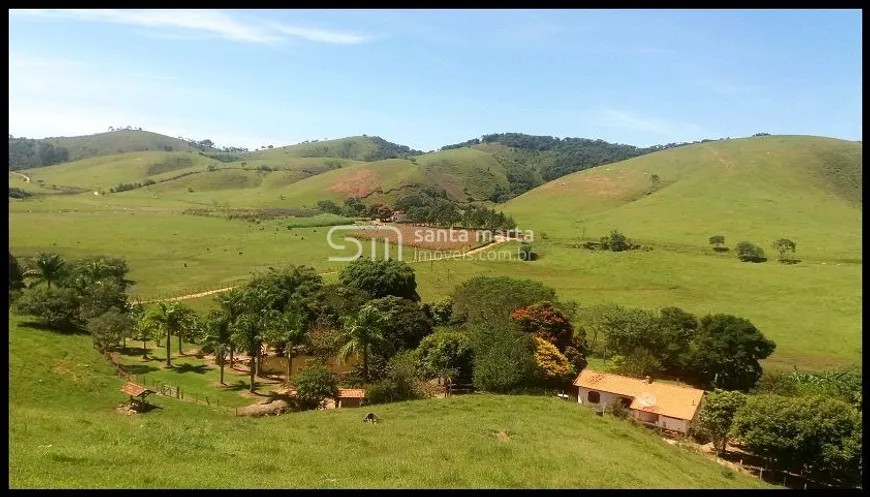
807 189
361 148
27 153
64 432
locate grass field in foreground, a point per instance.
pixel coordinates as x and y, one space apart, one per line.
64 432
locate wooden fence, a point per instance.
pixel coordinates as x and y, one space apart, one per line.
167 390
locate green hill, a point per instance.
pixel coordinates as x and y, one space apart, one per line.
64 432
25 153
361 148
759 189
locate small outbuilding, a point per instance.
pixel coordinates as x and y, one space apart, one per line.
137 395
350 397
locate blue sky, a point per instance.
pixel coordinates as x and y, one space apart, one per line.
427 78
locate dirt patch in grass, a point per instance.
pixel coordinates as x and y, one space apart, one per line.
358 183
502 436
429 238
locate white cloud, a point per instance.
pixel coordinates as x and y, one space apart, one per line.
214 23
631 121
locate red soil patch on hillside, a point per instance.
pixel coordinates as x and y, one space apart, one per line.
357 183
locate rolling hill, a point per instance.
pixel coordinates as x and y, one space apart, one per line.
65 432
759 189
492 169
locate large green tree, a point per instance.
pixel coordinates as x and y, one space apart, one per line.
485 299
717 416
381 278
725 353
445 353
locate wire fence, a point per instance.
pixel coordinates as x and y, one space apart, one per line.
167 390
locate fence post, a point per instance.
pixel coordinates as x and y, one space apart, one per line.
177 392
206 401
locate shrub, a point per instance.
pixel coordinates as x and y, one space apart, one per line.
526 253
500 294
440 312
748 252
504 359
616 242
109 328
445 353
553 367
401 382
314 385
55 307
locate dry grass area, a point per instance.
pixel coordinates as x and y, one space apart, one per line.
429 238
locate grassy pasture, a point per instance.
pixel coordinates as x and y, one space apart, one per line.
64 432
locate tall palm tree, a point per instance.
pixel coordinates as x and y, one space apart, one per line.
252 327
169 318
48 268
143 328
231 306
292 332
216 335
360 333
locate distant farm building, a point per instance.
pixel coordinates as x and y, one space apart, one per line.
399 217
666 406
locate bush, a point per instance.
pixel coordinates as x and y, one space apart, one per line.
314 385
553 367
445 353
500 294
441 312
616 242
109 328
55 307
504 359
748 252
526 253
381 278
401 382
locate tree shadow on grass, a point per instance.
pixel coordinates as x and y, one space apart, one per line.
137 369
190 368
61 330
789 261
721 249
244 386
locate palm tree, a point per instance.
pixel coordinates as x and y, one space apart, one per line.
361 333
216 335
143 328
49 268
293 334
169 318
231 306
252 326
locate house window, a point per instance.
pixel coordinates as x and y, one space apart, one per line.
626 402
593 397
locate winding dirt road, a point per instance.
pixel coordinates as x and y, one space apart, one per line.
26 177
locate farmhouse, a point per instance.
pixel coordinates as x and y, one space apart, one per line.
670 407
399 217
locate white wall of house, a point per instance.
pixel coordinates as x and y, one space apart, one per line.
606 399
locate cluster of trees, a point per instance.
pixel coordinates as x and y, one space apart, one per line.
354 207
69 295
556 157
123 187
18 193
715 351
615 242
432 208
815 434
26 153
749 252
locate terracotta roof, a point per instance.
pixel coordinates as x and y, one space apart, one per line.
673 401
134 390
351 393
